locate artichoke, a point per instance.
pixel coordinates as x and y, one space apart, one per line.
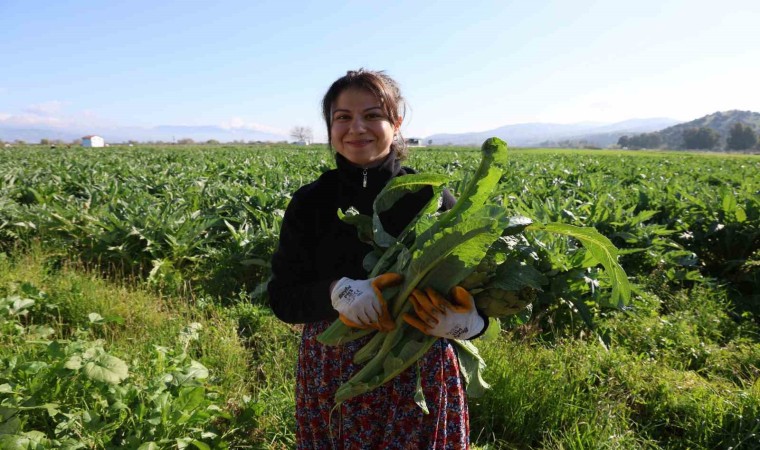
495 302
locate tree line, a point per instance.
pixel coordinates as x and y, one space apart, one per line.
740 137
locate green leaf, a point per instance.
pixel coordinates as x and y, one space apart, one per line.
395 256
114 319
189 399
190 333
514 275
351 388
200 445
370 349
52 409
392 364
39 332
419 394
394 191
149 446
493 330
741 215
195 371
33 367
339 333
363 223
448 256
400 186
682 258
95 318
31 440
729 203
9 426
370 260
107 369
20 305
484 181
584 312
523 316
472 365
604 251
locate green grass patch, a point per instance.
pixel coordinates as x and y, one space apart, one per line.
679 373
108 365
224 376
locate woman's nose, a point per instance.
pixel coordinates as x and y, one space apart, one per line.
358 124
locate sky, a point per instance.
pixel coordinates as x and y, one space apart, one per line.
463 66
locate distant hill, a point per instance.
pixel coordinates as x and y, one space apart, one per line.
548 134
202 133
34 135
721 122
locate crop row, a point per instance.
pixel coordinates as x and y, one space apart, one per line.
206 221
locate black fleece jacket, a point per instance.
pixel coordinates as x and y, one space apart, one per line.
317 248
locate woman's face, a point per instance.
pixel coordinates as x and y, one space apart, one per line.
360 129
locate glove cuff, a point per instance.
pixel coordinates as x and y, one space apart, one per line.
338 285
486 323
478 325
339 291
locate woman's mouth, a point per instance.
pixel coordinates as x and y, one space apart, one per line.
359 142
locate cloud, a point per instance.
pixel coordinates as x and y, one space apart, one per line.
50 115
27 119
47 114
45 109
239 123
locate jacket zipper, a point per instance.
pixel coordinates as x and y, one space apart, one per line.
364 182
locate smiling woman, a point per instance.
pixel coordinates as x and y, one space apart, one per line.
318 276
360 129
364 109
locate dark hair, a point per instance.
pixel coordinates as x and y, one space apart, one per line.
378 84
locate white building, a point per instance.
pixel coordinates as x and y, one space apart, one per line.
93 141
414 142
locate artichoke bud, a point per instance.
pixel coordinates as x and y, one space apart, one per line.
497 302
481 275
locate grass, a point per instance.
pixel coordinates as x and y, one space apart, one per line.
680 372
250 355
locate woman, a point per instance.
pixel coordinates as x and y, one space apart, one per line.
318 276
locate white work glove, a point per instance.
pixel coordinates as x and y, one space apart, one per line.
360 303
436 316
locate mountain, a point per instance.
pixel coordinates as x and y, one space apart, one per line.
170 133
721 122
9 134
165 133
545 134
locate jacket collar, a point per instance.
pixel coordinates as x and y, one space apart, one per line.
374 178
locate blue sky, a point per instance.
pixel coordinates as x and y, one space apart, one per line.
463 66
